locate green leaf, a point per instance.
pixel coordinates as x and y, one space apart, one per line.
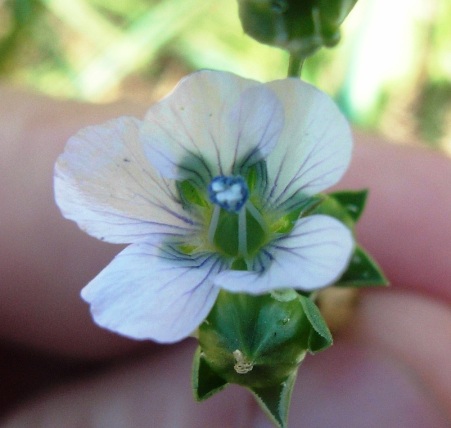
362 271
353 201
205 381
320 337
275 400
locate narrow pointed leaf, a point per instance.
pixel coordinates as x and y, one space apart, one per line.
353 201
205 381
320 337
275 400
362 271
332 207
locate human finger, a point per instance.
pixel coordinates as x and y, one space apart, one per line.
406 223
45 259
358 382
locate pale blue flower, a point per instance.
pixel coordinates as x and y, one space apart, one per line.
211 182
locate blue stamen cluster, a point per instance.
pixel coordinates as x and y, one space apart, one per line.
229 192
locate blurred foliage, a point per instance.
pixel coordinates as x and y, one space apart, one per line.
391 72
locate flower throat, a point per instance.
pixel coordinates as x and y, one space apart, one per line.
236 227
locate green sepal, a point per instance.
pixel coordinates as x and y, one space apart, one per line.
190 194
310 204
256 176
205 381
362 271
333 13
332 207
320 337
275 400
354 201
286 223
268 332
346 206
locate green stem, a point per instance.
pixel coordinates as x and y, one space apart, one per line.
295 66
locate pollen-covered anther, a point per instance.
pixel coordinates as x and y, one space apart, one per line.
229 192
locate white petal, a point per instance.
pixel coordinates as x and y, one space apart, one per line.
312 256
104 182
315 147
148 293
210 124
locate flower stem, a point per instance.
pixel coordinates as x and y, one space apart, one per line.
295 65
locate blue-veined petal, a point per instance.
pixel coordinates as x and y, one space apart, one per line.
313 255
154 293
314 149
210 125
104 182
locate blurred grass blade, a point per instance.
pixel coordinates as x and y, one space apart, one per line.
84 19
137 46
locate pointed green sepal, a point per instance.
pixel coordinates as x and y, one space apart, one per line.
256 176
190 195
362 271
275 400
255 341
332 207
320 337
286 223
205 381
345 206
310 204
353 201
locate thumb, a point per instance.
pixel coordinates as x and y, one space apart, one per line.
152 392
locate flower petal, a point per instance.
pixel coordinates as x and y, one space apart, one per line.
210 125
314 149
152 293
104 182
312 256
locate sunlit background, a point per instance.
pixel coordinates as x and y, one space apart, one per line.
391 73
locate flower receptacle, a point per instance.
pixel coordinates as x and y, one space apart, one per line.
258 342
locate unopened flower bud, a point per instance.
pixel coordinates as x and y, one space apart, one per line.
301 27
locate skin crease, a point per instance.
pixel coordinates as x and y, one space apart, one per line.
389 368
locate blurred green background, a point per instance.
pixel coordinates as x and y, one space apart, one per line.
391 72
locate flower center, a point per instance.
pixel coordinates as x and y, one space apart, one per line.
229 192
236 227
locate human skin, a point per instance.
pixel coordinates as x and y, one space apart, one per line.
389 368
